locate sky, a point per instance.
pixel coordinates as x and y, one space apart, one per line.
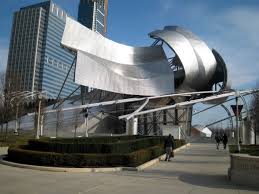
231 27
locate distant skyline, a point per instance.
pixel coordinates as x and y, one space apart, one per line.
231 27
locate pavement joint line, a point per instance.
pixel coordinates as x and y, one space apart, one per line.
95 170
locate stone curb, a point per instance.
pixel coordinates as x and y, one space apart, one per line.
154 161
76 170
58 169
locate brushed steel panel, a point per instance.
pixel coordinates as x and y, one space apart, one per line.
197 59
107 65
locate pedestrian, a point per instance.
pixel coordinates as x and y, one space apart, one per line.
169 147
218 139
225 140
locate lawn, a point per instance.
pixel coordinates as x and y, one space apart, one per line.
10 138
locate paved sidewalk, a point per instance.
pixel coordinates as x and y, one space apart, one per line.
199 168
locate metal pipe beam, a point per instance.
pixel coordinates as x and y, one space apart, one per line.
74 60
224 119
130 100
139 109
191 102
67 97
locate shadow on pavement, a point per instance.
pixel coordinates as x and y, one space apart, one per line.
202 155
212 181
200 162
216 181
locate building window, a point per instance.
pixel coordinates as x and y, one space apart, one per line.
50 60
58 10
55 62
64 67
52 8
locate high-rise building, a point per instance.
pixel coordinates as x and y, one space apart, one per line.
36 60
93 14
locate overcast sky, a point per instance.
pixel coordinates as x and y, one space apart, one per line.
229 26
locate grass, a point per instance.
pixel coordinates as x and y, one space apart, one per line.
12 139
245 149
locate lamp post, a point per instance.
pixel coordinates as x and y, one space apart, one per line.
86 123
237 127
22 96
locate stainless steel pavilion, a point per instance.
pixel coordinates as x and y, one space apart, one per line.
146 71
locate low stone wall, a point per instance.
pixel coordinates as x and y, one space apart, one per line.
244 169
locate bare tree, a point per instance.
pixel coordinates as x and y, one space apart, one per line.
9 85
20 114
2 83
13 81
7 111
1 118
12 106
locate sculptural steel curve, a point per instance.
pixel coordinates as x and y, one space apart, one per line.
104 64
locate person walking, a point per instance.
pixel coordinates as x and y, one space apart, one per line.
169 147
218 139
225 140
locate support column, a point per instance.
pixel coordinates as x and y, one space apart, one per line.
154 123
86 123
179 132
132 126
41 124
16 119
186 122
145 124
38 120
176 121
164 117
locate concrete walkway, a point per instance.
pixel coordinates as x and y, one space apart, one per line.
199 169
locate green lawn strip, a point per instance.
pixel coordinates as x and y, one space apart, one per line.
245 149
11 139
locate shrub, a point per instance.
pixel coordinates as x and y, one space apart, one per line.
89 146
21 155
132 152
245 149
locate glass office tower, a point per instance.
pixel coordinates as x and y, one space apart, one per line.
36 61
93 14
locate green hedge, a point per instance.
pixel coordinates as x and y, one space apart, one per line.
126 152
245 149
22 155
178 142
100 139
89 146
